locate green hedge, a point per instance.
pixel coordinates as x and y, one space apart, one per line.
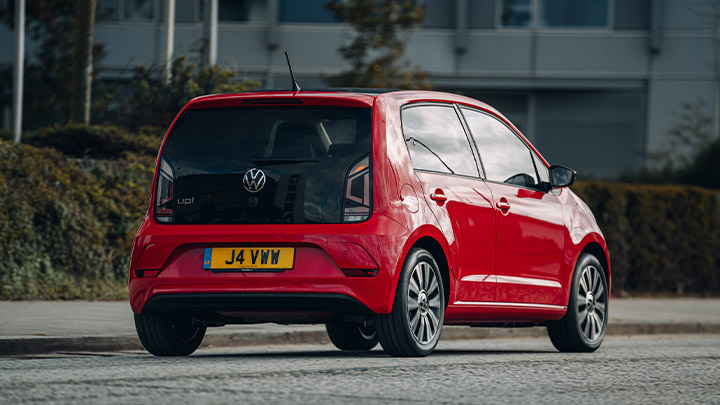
663 239
96 141
66 225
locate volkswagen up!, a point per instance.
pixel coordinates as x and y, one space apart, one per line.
383 215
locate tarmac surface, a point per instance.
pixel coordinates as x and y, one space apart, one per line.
54 326
659 369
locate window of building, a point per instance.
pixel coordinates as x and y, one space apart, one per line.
186 11
439 14
141 10
516 13
437 141
242 10
505 157
555 13
481 13
574 13
107 10
233 10
632 15
306 11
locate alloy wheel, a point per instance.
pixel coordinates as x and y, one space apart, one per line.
424 303
591 303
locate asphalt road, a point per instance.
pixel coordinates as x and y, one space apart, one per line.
650 369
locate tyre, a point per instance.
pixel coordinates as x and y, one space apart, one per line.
414 325
582 329
169 334
352 337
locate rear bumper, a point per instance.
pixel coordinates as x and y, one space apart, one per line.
240 292
322 252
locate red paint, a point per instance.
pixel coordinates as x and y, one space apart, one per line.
530 243
510 251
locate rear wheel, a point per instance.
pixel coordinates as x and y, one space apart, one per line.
169 334
582 329
352 337
414 325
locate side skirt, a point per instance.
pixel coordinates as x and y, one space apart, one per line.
486 313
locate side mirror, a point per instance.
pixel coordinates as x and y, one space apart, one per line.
561 176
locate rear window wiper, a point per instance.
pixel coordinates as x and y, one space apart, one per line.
281 161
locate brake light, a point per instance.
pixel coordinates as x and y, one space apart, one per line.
164 204
357 201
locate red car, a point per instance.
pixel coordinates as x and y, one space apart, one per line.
383 215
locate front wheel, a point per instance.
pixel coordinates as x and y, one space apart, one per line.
582 329
169 334
414 325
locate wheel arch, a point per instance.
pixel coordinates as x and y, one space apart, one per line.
436 250
595 249
593 244
432 239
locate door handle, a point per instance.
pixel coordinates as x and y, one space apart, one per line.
503 206
438 196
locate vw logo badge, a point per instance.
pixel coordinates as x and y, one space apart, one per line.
254 180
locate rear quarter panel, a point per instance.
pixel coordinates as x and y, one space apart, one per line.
397 191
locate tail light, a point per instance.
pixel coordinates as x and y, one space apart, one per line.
357 203
164 204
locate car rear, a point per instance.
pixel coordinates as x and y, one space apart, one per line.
262 210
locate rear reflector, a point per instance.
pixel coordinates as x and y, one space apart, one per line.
146 273
360 272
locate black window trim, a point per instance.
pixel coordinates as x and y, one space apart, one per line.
478 164
460 107
473 146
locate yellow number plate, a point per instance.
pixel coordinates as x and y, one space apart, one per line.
249 258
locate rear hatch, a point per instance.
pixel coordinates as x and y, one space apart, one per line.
267 165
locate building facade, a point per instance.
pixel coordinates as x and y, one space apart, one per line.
593 83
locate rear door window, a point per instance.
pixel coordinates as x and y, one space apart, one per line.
437 141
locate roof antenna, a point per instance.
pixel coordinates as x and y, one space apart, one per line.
295 87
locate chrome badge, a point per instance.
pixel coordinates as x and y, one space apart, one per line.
254 180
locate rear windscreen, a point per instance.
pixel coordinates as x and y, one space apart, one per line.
265 165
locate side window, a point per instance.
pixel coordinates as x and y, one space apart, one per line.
505 157
437 141
542 170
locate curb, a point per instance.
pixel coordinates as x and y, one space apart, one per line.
44 344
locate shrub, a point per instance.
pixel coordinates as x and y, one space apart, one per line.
152 102
66 228
97 142
662 238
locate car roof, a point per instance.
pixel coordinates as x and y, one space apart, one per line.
284 97
342 96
